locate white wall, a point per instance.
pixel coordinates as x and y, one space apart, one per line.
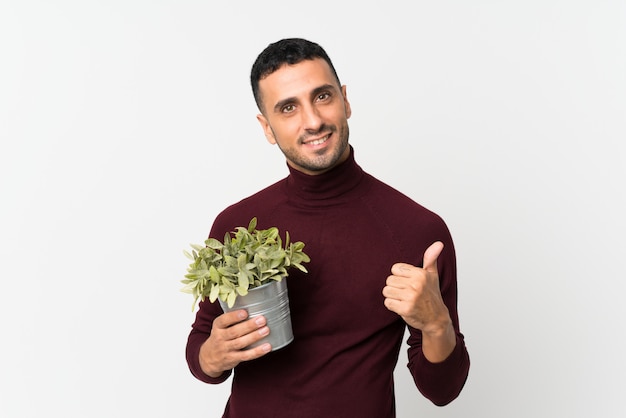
125 125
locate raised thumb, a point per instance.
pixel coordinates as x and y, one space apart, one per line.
430 256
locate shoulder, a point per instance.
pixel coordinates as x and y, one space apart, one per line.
384 195
411 223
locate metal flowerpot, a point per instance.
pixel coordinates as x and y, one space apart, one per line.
272 301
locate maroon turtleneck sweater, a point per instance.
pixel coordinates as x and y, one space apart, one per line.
346 343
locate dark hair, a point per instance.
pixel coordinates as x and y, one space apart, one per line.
286 51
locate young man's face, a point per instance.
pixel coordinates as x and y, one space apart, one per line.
305 112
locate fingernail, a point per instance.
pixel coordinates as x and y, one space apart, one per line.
259 321
264 331
266 347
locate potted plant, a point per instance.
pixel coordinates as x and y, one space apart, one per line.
246 271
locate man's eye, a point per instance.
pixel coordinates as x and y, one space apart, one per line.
323 96
288 108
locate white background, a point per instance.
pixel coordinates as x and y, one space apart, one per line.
126 126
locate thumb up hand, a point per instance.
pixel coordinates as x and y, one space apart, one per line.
414 294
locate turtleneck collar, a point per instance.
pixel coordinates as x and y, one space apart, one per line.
329 186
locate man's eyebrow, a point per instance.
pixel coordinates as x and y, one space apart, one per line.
322 89
279 105
325 87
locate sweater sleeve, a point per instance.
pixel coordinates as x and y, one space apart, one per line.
203 324
200 331
442 382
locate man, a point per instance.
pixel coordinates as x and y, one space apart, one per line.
379 262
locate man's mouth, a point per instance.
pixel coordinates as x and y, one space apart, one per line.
317 141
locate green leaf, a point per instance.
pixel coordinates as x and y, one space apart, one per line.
214 275
213 244
188 288
231 299
252 224
242 280
215 292
300 267
242 291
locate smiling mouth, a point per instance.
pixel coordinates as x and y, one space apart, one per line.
318 141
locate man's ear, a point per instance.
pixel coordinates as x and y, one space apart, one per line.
346 103
267 129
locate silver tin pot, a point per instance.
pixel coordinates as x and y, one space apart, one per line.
272 301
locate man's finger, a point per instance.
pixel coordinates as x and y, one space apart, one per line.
231 318
430 256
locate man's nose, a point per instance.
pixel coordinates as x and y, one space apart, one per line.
311 118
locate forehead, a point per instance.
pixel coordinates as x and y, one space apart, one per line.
296 80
